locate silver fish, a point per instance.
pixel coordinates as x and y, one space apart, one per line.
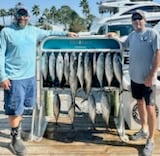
108 68
66 67
44 65
80 70
71 109
52 66
94 63
117 67
87 74
105 108
92 109
100 69
73 81
59 67
56 106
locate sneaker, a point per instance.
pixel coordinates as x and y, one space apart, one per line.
148 149
16 145
139 135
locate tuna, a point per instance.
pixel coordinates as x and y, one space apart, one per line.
59 67
92 109
87 74
108 68
80 70
52 66
94 64
100 69
73 81
44 65
71 109
66 67
106 108
117 67
56 106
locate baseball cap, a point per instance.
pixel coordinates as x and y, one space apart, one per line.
138 14
21 11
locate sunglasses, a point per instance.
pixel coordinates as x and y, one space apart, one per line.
22 12
134 18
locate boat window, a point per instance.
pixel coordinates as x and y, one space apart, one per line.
102 30
144 8
122 30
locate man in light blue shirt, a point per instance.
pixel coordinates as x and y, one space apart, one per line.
17 70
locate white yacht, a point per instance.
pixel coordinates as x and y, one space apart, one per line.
121 11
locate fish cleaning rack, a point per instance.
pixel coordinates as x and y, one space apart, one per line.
56 45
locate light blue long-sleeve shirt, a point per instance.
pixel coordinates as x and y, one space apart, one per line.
18 51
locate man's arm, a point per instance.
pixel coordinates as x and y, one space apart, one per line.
153 72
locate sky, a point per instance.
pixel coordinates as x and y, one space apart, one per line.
74 4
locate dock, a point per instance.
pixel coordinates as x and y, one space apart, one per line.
62 140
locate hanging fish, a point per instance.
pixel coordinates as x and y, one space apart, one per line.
56 106
105 108
94 63
71 109
59 67
117 67
108 68
80 69
44 65
87 75
66 67
100 69
73 80
52 66
92 109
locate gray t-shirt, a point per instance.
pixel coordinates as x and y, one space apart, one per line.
142 47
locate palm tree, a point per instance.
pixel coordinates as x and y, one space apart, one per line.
53 12
36 10
46 14
85 6
3 13
11 12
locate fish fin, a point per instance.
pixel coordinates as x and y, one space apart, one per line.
77 107
84 100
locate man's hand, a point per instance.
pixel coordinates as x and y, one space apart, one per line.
72 34
112 35
5 84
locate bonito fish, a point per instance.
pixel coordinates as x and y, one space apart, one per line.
106 108
87 74
66 67
59 67
80 70
117 67
100 69
108 68
92 109
44 65
52 66
56 106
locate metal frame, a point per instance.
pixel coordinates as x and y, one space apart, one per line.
39 121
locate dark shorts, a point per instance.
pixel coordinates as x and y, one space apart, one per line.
21 94
140 91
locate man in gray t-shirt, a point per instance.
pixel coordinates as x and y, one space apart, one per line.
144 47
144 57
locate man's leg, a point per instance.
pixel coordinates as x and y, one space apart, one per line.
16 144
148 149
143 114
152 121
